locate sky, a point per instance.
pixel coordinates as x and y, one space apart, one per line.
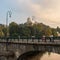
44 11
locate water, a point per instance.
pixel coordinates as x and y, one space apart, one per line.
46 56
52 56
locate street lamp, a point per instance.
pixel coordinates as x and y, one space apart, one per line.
8 15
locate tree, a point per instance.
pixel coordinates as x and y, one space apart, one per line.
48 31
4 31
58 29
1 31
39 29
54 32
24 30
13 29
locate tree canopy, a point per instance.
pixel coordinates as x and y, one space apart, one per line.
28 29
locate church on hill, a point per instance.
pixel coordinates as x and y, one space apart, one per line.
31 21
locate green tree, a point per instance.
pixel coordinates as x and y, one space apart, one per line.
47 31
54 32
4 31
37 30
58 29
24 31
1 31
13 29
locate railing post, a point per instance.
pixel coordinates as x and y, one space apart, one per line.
33 37
44 39
27 40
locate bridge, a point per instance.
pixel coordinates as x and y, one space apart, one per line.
12 49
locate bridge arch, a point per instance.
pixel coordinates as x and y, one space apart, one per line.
29 54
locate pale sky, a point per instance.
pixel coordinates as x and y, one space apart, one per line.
45 11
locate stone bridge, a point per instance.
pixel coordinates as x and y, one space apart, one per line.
12 49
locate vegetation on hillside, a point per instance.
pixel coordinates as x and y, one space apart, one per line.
28 30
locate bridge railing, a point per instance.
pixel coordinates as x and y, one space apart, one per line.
31 40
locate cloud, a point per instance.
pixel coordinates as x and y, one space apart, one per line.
46 11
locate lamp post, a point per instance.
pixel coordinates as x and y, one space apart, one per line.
8 15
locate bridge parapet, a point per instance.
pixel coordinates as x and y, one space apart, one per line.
31 41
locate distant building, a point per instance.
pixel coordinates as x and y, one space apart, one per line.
30 21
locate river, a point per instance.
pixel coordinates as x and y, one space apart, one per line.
46 56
